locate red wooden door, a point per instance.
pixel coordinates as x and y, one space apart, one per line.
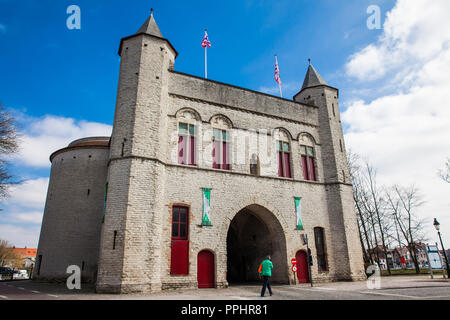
205 269
302 266
179 260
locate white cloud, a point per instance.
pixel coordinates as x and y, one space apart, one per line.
29 194
42 136
406 133
414 32
22 212
20 236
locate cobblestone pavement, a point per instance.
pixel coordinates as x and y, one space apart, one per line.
391 288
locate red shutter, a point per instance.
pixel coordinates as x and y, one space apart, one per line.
216 154
181 149
179 259
287 165
312 168
192 148
225 164
305 168
280 164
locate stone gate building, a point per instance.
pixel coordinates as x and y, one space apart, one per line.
199 181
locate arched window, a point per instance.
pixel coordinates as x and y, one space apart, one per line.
186 143
308 157
283 154
221 142
319 239
187 132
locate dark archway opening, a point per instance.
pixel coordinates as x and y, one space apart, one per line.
253 234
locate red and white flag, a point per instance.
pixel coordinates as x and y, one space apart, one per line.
205 41
277 75
277 72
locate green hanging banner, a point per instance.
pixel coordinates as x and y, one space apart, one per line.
206 220
298 213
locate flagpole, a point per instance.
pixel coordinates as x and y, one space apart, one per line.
206 59
281 95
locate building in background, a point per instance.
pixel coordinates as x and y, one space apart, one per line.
29 256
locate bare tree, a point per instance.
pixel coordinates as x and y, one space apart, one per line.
376 204
8 146
355 178
374 223
403 202
7 254
445 173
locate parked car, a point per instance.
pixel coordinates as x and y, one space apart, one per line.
20 274
6 273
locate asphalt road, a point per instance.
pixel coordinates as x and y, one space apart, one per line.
391 288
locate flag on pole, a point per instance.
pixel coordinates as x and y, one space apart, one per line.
206 220
205 41
277 75
298 213
277 72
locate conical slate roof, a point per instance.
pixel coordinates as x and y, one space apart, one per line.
312 78
150 27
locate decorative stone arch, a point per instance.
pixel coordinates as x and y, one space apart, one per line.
188 114
271 229
307 139
282 134
221 121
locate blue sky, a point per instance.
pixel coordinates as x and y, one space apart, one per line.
61 83
73 73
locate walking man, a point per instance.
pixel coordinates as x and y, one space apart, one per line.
265 270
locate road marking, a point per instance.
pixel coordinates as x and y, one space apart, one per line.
436 297
323 288
390 294
3 297
20 288
35 291
52 295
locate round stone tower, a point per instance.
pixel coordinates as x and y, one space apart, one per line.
71 226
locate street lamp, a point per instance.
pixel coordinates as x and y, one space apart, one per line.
437 225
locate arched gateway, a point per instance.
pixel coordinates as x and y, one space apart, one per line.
254 233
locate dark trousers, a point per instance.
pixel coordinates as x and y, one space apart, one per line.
266 283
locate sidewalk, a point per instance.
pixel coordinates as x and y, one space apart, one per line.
404 287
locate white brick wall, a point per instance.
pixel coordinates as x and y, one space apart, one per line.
145 179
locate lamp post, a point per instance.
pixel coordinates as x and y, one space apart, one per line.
437 225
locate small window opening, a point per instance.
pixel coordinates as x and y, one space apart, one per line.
114 240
